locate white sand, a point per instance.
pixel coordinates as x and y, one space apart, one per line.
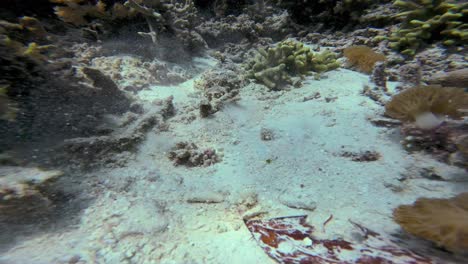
144 216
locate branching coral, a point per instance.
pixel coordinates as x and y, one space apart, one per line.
426 21
179 18
363 57
76 12
442 221
275 66
423 103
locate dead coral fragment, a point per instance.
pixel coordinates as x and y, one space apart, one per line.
363 57
442 221
188 154
364 156
422 103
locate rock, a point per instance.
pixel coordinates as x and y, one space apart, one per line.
458 78
298 201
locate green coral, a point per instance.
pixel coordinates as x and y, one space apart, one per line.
275 66
425 21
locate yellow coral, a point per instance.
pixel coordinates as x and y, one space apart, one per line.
363 57
442 221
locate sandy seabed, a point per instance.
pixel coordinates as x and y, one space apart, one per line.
149 213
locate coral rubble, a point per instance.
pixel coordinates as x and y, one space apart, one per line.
188 154
220 87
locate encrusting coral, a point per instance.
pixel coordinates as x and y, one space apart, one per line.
426 21
423 104
274 66
363 57
442 221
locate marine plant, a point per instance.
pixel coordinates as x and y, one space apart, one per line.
424 105
442 221
363 57
426 21
274 66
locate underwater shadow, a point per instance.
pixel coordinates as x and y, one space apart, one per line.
64 213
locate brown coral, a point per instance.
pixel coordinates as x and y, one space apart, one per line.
362 57
442 221
417 102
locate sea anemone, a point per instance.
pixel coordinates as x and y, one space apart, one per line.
426 105
442 221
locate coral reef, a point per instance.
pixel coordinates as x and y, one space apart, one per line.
379 76
79 12
442 221
328 14
410 75
219 87
275 66
25 193
422 104
168 15
134 74
429 21
363 57
444 142
427 64
188 154
244 27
